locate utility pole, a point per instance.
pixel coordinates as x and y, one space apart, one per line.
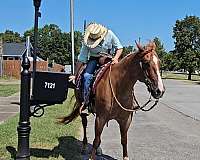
1 57
84 26
72 31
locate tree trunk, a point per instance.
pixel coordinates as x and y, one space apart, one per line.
190 75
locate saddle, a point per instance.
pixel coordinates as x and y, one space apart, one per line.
105 62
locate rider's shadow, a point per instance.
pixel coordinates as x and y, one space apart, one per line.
69 148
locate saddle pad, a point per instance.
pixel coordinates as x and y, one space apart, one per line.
99 75
78 78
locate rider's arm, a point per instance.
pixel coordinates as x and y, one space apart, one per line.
82 59
117 55
83 56
118 47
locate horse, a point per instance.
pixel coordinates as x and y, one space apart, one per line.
114 97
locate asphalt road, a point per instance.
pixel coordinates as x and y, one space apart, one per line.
171 131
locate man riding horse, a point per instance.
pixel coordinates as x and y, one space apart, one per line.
97 39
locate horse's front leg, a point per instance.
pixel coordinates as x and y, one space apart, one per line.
124 126
85 141
99 124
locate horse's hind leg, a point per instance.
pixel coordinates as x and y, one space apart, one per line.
99 124
85 141
124 126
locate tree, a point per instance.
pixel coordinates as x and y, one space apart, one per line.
161 52
54 44
186 33
10 37
127 50
170 62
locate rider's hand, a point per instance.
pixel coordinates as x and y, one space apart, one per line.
71 78
115 60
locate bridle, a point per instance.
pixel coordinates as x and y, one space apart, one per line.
147 82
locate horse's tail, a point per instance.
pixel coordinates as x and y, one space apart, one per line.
72 116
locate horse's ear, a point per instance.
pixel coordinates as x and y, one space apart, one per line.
154 45
151 45
140 48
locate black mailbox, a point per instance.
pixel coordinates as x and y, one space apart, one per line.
50 88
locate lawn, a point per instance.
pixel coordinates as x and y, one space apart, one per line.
8 89
48 140
179 76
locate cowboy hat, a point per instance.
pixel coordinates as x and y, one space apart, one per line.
94 34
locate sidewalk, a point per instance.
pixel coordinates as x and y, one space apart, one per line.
8 107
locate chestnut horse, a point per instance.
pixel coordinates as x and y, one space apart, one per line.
114 97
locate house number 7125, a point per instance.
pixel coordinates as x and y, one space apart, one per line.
50 85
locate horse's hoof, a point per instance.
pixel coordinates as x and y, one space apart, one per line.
99 151
125 158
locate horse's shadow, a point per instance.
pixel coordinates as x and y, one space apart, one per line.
69 148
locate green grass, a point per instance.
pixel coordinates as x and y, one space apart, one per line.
4 77
178 76
48 140
8 89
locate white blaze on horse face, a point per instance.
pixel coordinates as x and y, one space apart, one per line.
160 83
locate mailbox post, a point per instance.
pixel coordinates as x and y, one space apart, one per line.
23 151
24 128
48 88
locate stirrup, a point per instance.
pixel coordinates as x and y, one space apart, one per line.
85 111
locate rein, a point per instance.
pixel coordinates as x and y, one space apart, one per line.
144 105
138 107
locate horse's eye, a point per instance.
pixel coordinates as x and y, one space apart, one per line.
146 65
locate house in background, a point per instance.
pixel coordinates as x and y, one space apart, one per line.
11 56
13 51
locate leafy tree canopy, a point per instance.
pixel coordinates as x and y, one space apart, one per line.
10 37
55 44
186 33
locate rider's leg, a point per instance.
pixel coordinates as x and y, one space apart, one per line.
87 82
88 75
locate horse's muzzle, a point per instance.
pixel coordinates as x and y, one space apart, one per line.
157 93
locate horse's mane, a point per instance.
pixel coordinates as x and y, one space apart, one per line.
150 46
128 55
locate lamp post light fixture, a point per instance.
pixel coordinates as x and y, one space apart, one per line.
37 3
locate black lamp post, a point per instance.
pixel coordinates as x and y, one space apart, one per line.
37 4
24 128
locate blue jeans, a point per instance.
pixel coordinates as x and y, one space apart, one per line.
88 75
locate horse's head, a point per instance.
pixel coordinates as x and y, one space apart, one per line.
150 65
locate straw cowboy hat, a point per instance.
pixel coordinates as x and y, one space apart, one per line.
94 34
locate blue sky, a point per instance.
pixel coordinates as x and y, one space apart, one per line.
129 19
